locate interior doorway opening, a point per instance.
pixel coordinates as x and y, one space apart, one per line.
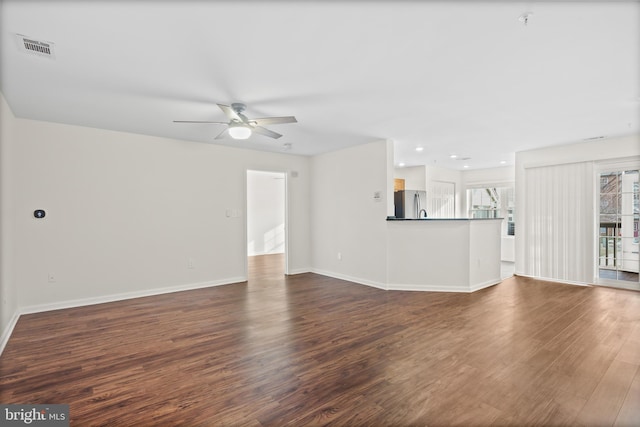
266 221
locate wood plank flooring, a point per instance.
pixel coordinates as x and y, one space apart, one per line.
312 350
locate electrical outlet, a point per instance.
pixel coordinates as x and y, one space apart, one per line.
339 256
191 264
51 278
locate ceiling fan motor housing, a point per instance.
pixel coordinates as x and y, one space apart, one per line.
238 107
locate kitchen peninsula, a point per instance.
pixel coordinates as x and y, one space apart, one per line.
447 255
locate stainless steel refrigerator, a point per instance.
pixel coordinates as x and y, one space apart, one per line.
410 204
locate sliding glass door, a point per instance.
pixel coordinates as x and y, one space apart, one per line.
619 212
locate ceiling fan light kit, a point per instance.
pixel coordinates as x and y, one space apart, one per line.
239 131
240 126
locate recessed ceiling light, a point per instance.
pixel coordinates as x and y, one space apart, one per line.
419 148
465 166
453 156
503 162
401 164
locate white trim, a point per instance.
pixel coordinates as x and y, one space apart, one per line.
294 271
409 287
457 288
287 231
428 288
608 166
617 164
553 162
287 245
603 164
8 330
350 278
486 284
549 279
127 295
589 157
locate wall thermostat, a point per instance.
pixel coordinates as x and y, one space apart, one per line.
39 213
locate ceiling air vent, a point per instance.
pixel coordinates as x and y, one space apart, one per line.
35 47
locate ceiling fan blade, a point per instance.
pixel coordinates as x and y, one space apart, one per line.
244 118
222 134
274 120
266 132
230 112
198 121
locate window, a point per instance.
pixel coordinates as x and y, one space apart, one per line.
493 202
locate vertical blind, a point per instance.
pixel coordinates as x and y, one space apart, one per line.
559 229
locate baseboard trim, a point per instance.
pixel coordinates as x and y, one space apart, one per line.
8 330
125 296
486 284
357 280
548 279
409 287
453 288
298 271
428 288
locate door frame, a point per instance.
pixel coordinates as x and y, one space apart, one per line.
630 163
285 174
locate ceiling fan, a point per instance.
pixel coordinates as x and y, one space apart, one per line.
240 126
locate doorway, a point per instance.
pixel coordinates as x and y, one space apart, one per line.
442 200
618 217
266 222
497 201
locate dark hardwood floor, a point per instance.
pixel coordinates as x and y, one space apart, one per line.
312 350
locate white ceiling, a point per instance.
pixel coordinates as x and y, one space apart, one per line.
466 78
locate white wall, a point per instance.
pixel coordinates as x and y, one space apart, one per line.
345 216
490 176
443 255
591 151
8 297
126 213
416 259
414 177
484 252
265 212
